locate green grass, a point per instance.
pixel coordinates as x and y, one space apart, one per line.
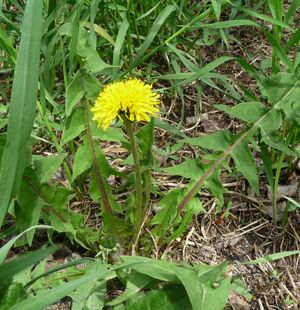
61 55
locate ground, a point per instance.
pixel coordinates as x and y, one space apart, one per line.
244 232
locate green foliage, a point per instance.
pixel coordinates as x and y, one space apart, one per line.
66 52
168 225
12 292
148 282
47 166
78 54
170 297
12 295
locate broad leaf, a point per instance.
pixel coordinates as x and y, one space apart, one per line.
217 141
156 269
245 164
249 112
202 294
283 91
28 207
270 129
146 140
74 127
92 86
167 127
82 160
83 298
164 218
135 283
47 297
74 94
111 134
89 54
14 293
47 166
193 169
193 207
171 297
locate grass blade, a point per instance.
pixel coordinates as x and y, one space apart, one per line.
6 248
294 39
7 46
294 202
267 18
291 11
280 52
119 43
14 266
22 105
48 297
152 33
217 5
271 257
206 69
58 268
228 24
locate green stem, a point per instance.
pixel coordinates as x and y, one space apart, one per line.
279 162
138 181
274 190
99 178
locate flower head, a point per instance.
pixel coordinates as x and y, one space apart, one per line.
132 99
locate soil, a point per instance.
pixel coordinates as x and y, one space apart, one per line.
247 231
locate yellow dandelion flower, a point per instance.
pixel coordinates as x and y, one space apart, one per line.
132 99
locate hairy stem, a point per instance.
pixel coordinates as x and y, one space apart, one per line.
279 162
98 174
219 161
138 181
215 165
274 189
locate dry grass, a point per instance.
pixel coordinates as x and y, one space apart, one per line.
248 232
